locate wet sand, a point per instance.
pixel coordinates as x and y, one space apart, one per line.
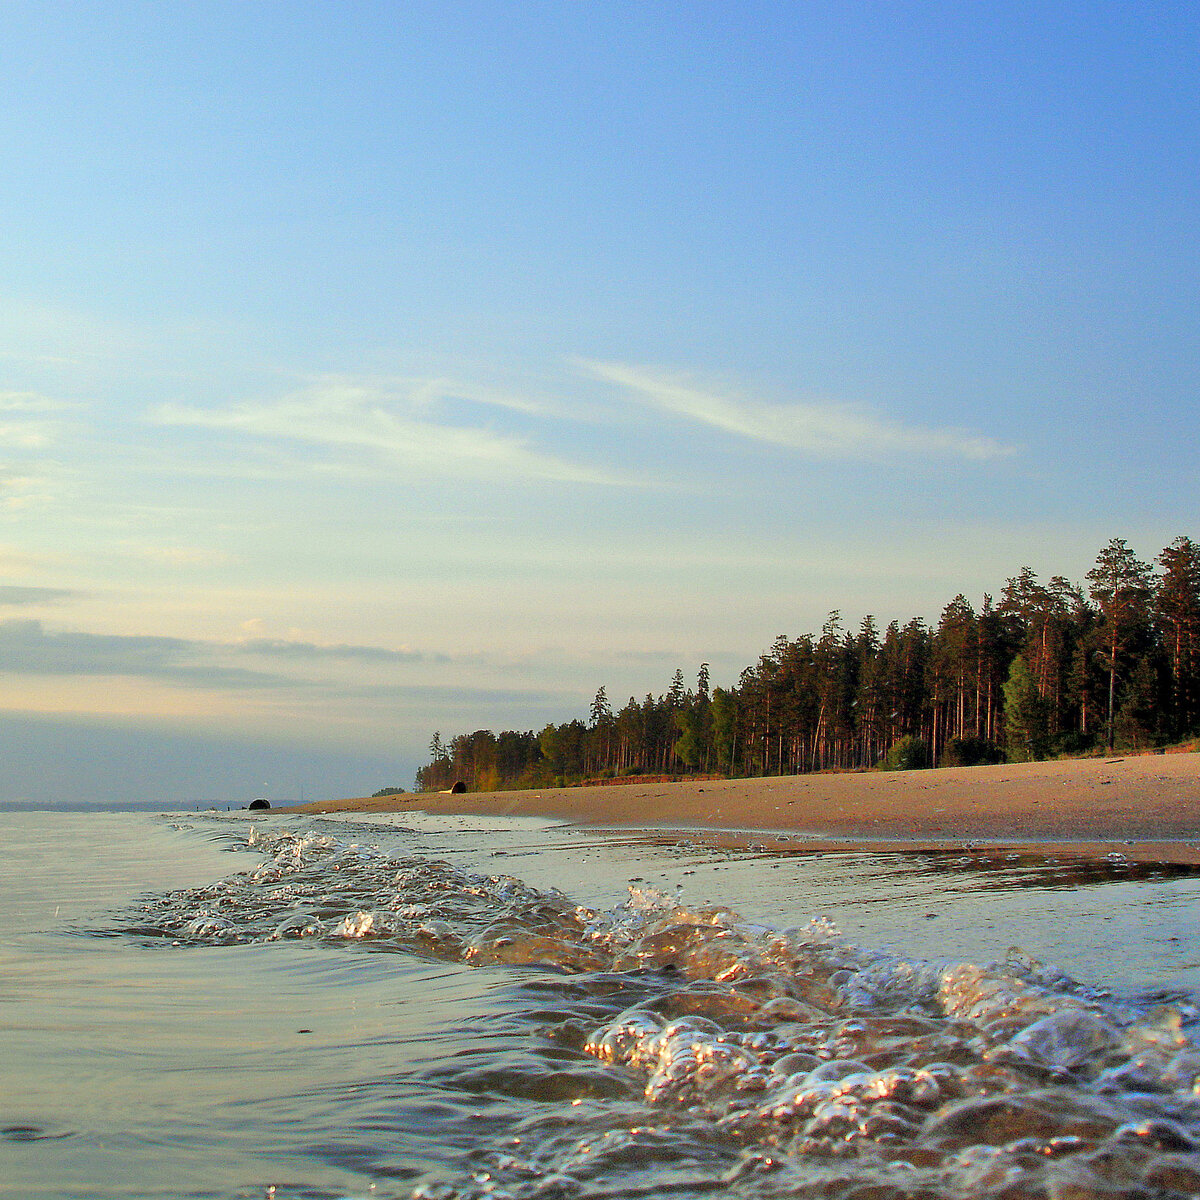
1146 808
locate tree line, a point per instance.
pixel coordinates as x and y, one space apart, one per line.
1047 669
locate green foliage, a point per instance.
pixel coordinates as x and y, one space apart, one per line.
908 754
1025 715
1072 744
561 748
724 723
389 791
970 752
1139 722
688 748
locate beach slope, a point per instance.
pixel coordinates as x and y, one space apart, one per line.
1144 807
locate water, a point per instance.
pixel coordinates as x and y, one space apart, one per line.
322 1009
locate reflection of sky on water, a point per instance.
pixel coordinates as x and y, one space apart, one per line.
1124 927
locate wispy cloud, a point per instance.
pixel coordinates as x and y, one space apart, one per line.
29 420
28 648
30 423
418 428
30 402
20 435
827 429
22 489
434 392
12 595
312 651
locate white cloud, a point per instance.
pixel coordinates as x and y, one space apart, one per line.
30 402
428 393
399 426
824 429
24 436
27 420
20 489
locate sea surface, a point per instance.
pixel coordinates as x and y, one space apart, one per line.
298 1008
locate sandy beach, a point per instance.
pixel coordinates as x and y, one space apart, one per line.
1146 808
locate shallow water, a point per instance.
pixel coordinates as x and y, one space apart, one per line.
210 1006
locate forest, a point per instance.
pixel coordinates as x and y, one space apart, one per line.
1047 670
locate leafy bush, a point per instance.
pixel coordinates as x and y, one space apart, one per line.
1072 744
908 754
970 752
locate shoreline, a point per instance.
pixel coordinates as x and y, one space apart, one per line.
1143 809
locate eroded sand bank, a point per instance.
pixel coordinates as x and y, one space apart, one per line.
1146 808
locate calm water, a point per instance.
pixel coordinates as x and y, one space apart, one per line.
210 1006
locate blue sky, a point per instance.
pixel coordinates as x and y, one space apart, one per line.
371 369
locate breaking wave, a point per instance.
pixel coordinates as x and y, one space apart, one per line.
681 1050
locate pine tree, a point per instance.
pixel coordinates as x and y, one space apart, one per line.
601 710
601 732
1120 585
1177 602
953 663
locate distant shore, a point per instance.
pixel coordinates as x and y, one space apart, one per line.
1145 808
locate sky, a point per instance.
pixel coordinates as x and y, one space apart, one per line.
370 369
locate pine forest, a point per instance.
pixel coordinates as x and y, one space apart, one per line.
1049 669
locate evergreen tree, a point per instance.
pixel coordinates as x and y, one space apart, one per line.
688 746
724 719
1177 602
601 710
630 739
1025 713
1120 586
702 711
599 747
550 744
953 663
